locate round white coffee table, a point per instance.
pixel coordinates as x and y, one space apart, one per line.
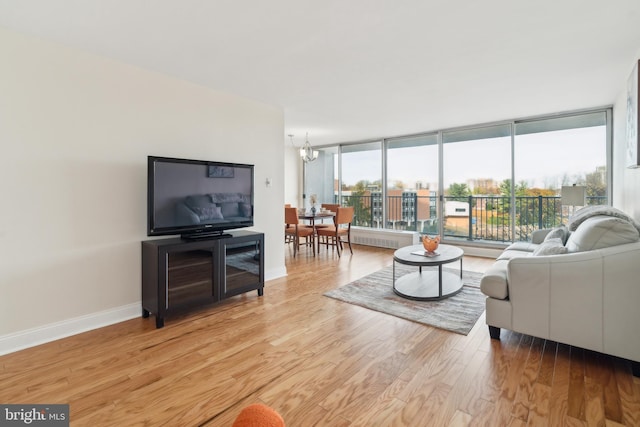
431 284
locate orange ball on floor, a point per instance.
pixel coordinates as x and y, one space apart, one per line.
258 415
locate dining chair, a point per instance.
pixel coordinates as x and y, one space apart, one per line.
295 231
331 208
334 234
287 238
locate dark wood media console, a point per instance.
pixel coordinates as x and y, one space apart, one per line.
178 274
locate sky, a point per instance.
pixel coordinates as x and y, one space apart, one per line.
541 159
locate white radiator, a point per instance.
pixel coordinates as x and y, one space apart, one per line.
394 239
381 238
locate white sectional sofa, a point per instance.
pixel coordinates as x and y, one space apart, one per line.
578 285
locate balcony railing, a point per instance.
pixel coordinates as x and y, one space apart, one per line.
479 218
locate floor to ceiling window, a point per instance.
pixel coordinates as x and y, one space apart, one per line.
361 186
553 153
476 168
490 183
412 183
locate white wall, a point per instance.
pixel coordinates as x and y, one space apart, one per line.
75 131
626 181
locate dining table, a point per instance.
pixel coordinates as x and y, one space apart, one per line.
312 217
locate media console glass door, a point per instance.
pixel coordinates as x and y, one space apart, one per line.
189 278
242 261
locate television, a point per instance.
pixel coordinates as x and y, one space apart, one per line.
198 198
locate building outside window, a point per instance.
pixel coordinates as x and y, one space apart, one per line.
412 178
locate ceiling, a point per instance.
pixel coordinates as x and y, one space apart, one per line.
362 69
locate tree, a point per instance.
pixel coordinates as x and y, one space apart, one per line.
595 183
458 191
505 188
485 186
522 188
398 185
357 199
504 203
544 192
529 207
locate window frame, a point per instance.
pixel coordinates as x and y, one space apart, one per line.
385 141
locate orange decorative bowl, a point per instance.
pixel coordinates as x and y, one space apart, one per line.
430 244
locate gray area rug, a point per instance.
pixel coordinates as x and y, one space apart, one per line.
458 313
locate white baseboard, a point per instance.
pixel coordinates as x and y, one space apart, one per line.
480 251
32 337
395 239
55 331
275 273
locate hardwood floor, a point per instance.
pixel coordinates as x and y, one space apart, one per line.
319 361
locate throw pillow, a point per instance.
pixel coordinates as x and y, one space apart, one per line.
600 232
245 208
208 213
561 233
552 246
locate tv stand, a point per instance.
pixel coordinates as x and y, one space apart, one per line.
179 274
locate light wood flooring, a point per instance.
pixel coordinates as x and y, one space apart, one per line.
319 361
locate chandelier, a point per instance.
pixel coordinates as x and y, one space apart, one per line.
307 153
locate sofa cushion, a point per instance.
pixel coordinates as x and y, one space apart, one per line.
522 246
230 209
508 254
199 201
494 281
551 247
599 232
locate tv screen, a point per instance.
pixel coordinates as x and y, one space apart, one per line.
197 198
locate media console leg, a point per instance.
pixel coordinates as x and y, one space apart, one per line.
159 322
145 313
260 292
494 332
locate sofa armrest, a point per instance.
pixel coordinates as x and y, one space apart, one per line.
537 236
185 216
494 281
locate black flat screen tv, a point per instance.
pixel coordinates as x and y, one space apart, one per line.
198 198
